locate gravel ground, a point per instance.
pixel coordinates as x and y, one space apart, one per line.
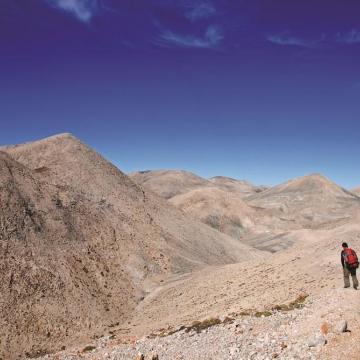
310 332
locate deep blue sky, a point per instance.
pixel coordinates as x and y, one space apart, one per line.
259 89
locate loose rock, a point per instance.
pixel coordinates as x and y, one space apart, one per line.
317 340
342 326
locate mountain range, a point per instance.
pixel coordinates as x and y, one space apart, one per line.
87 250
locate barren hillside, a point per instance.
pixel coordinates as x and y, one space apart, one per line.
264 218
356 191
240 187
83 244
264 229
63 272
219 209
169 183
310 200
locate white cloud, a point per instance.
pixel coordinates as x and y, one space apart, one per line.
200 10
83 10
351 37
211 39
288 40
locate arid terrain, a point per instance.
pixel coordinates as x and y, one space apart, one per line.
260 217
96 264
82 245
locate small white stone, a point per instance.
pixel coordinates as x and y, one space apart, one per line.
341 326
317 340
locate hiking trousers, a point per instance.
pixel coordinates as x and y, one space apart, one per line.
347 273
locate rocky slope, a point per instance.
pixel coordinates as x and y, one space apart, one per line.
323 327
290 306
356 191
82 245
58 275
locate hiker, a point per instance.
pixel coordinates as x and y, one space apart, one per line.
350 263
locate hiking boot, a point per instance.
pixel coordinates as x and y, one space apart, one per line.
346 286
355 287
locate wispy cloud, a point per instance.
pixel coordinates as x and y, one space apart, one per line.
200 10
83 10
351 37
211 39
289 40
